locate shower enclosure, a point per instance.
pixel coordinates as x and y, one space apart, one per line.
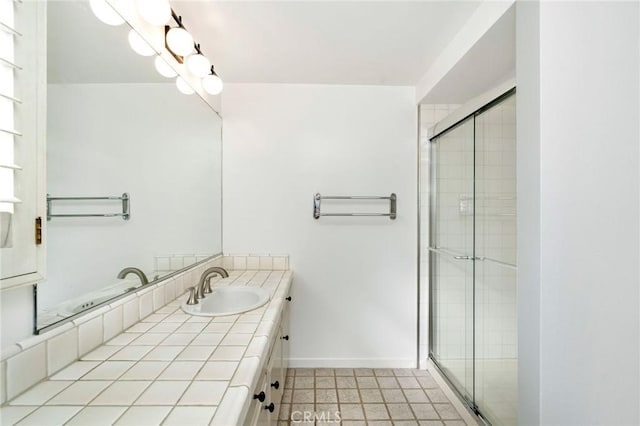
472 258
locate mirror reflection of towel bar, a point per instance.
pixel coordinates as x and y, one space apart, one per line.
126 215
318 198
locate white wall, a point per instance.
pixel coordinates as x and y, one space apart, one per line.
355 285
149 140
586 163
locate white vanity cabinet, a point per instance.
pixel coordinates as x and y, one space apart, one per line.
267 395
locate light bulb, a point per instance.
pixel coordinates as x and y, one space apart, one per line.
184 87
105 12
139 45
198 65
212 84
126 9
180 41
164 68
154 12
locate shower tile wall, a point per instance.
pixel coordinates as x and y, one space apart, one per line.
430 114
496 232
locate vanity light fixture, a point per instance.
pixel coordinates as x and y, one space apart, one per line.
183 86
154 12
139 45
105 12
212 84
163 68
198 64
178 41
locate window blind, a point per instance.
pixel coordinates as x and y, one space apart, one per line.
9 101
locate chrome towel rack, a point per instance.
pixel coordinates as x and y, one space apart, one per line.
318 198
126 215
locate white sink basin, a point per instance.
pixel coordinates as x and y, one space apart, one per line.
228 301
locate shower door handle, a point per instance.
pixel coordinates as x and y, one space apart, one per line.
463 257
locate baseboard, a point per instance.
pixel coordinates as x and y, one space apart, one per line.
352 363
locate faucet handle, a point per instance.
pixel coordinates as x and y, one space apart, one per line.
193 296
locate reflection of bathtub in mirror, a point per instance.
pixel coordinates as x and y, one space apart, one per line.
89 300
164 265
53 314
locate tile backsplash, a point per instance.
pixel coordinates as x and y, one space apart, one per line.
32 360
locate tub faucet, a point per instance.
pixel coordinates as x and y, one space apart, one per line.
138 272
204 285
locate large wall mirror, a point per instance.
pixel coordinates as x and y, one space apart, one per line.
115 127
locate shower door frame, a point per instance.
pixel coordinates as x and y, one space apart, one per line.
435 133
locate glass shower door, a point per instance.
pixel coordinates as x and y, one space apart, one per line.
473 259
496 359
452 232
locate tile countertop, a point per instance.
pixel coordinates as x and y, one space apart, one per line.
170 368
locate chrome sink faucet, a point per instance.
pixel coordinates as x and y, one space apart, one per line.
136 271
204 285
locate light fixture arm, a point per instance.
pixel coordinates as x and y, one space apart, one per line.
177 18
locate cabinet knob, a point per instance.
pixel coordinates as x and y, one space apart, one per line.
288 298
260 397
275 385
270 407
285 337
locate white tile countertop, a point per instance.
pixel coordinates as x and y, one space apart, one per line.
170 368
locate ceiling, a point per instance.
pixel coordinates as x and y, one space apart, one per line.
312 42
324 42
491 61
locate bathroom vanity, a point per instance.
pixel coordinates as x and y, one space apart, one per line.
166 366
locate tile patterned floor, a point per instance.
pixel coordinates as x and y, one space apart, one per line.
364 396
